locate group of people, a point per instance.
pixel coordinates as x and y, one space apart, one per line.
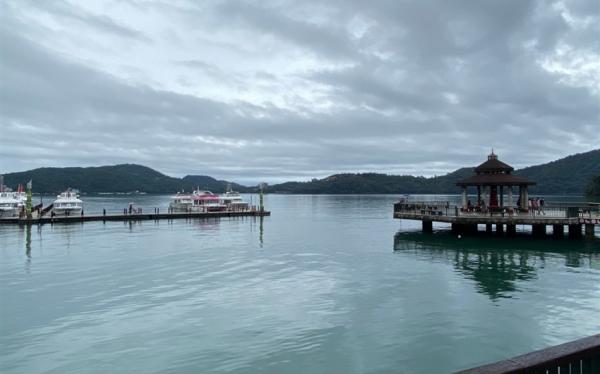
536 205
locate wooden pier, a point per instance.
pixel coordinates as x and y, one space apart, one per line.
574 218
132 217
579 356
492 180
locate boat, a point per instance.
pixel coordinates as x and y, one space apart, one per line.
206 201
233 201
67 203
197 201
10 204
181 202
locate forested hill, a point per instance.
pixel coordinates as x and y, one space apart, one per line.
569 175
117 178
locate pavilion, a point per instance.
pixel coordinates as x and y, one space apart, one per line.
491 178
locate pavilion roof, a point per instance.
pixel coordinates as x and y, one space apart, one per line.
500 179
493 165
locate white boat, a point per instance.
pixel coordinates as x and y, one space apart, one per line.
233 201
197 201
10 204
67 203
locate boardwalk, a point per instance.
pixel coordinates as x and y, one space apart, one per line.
467 221
133 217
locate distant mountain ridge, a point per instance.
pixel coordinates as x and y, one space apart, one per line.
116 178
569 175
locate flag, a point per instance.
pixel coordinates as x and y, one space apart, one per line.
29 184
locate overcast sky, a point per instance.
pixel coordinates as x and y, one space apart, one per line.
289 90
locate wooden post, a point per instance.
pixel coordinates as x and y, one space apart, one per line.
589 230
538 230
558 231
575 231
455 228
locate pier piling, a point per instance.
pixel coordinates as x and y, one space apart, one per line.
427 226
575 231
589 230
538 230
558 231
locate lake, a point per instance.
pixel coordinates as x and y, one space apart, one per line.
326 284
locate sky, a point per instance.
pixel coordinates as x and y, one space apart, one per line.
269 91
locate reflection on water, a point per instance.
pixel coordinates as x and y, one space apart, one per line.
325 293
497 265
28 241
261 231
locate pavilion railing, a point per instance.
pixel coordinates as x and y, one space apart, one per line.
445 208
580 356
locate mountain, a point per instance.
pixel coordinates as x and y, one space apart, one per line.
117 178
569 175
211 184
593 188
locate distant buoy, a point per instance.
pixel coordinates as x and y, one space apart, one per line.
459 236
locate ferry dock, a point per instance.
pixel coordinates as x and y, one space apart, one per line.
493 206
34 220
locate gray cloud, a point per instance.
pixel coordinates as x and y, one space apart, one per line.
282 90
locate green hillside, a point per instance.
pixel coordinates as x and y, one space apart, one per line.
593 188
569 175
117 178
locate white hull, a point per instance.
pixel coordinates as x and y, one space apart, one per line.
9 213
67 211
197 208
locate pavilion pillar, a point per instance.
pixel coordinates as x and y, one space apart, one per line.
510 198
501 196
464 197
478 195
525 202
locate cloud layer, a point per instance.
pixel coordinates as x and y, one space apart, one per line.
279 90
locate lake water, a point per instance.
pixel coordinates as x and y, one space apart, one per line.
327 284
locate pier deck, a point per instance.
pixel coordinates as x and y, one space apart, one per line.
133 217
574 217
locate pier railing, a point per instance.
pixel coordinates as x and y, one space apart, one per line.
550 210
579 356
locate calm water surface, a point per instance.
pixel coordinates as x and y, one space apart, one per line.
327 284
